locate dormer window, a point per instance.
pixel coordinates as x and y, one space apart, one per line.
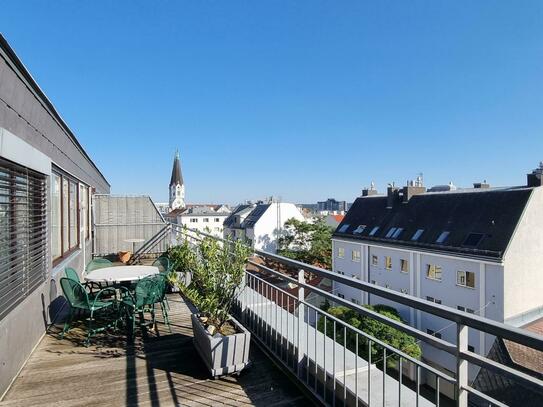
473 240
390 232
359 229
343 228
442 237
374 231
417 234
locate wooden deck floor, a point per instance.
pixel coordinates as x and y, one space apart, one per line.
162 370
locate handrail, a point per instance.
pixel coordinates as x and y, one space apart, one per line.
463 320
495 328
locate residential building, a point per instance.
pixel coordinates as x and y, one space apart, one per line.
47 182
177 186
477 250
203 218
260 224
331 205
333 220
163 207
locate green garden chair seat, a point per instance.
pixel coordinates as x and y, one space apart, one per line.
102 313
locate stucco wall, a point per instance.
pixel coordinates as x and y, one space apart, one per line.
524 261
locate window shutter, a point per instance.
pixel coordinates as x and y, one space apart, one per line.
23 234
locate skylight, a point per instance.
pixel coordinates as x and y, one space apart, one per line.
359 229
343 228
397 233
473 240
374 230
390 232
417 234
442 237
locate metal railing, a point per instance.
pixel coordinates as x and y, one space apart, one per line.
337 361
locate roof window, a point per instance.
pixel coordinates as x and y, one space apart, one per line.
397 233
343 228
374 231
359 229
417 234
442 237
390 232
473 240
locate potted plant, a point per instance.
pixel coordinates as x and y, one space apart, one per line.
217 273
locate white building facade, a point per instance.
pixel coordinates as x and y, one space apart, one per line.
477 251
261 224
207 219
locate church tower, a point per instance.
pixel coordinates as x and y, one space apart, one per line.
177 187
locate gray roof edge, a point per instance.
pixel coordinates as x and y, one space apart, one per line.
8 51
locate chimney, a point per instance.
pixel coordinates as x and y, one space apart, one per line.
481 185
393 195
369 191
535 179
413 188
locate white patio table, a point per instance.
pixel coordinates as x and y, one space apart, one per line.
121 273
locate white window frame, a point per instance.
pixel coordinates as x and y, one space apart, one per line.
355 256
340 252
432 271
463 275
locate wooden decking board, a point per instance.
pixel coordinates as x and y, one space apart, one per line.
161 370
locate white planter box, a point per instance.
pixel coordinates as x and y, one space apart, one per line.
222 354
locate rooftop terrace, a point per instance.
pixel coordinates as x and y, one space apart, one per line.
161 370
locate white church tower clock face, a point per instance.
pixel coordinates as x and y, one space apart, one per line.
177 186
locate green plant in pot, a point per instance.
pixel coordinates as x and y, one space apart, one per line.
218 271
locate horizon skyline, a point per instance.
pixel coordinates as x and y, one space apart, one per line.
303 101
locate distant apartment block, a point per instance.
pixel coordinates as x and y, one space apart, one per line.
260 224
478 250
203 218
331 205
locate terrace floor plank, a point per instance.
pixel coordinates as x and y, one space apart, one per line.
160 370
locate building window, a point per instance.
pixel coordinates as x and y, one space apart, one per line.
23 228
355 256
404 291
193 220
340 252
56 216
374 231
388 262
343 228
67 196
340 295
433 272
465 278
434 300
468 310
390 232
387 286
217 219
206 220
404 266
433 333
397 233
471 348
442 237
417 234
373 282
355 301
359 229
374 260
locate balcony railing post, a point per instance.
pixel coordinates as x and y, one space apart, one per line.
461 365
301 313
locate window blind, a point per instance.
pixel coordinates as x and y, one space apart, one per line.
23 234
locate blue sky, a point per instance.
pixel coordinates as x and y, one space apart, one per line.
299 99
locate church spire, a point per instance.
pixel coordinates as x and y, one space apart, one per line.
177 177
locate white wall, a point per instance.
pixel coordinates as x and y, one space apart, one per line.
524 261
264 232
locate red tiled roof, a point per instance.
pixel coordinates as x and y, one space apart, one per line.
524 356
338 218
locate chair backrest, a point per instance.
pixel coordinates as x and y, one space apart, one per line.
75 293
71 274
163 264
147 291
98 263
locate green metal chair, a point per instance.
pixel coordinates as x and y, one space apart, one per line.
89 285
148 292
163 264
98 263
97 306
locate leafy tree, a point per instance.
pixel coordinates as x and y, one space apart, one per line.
385 333
307 242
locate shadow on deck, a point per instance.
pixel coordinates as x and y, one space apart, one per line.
160 370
